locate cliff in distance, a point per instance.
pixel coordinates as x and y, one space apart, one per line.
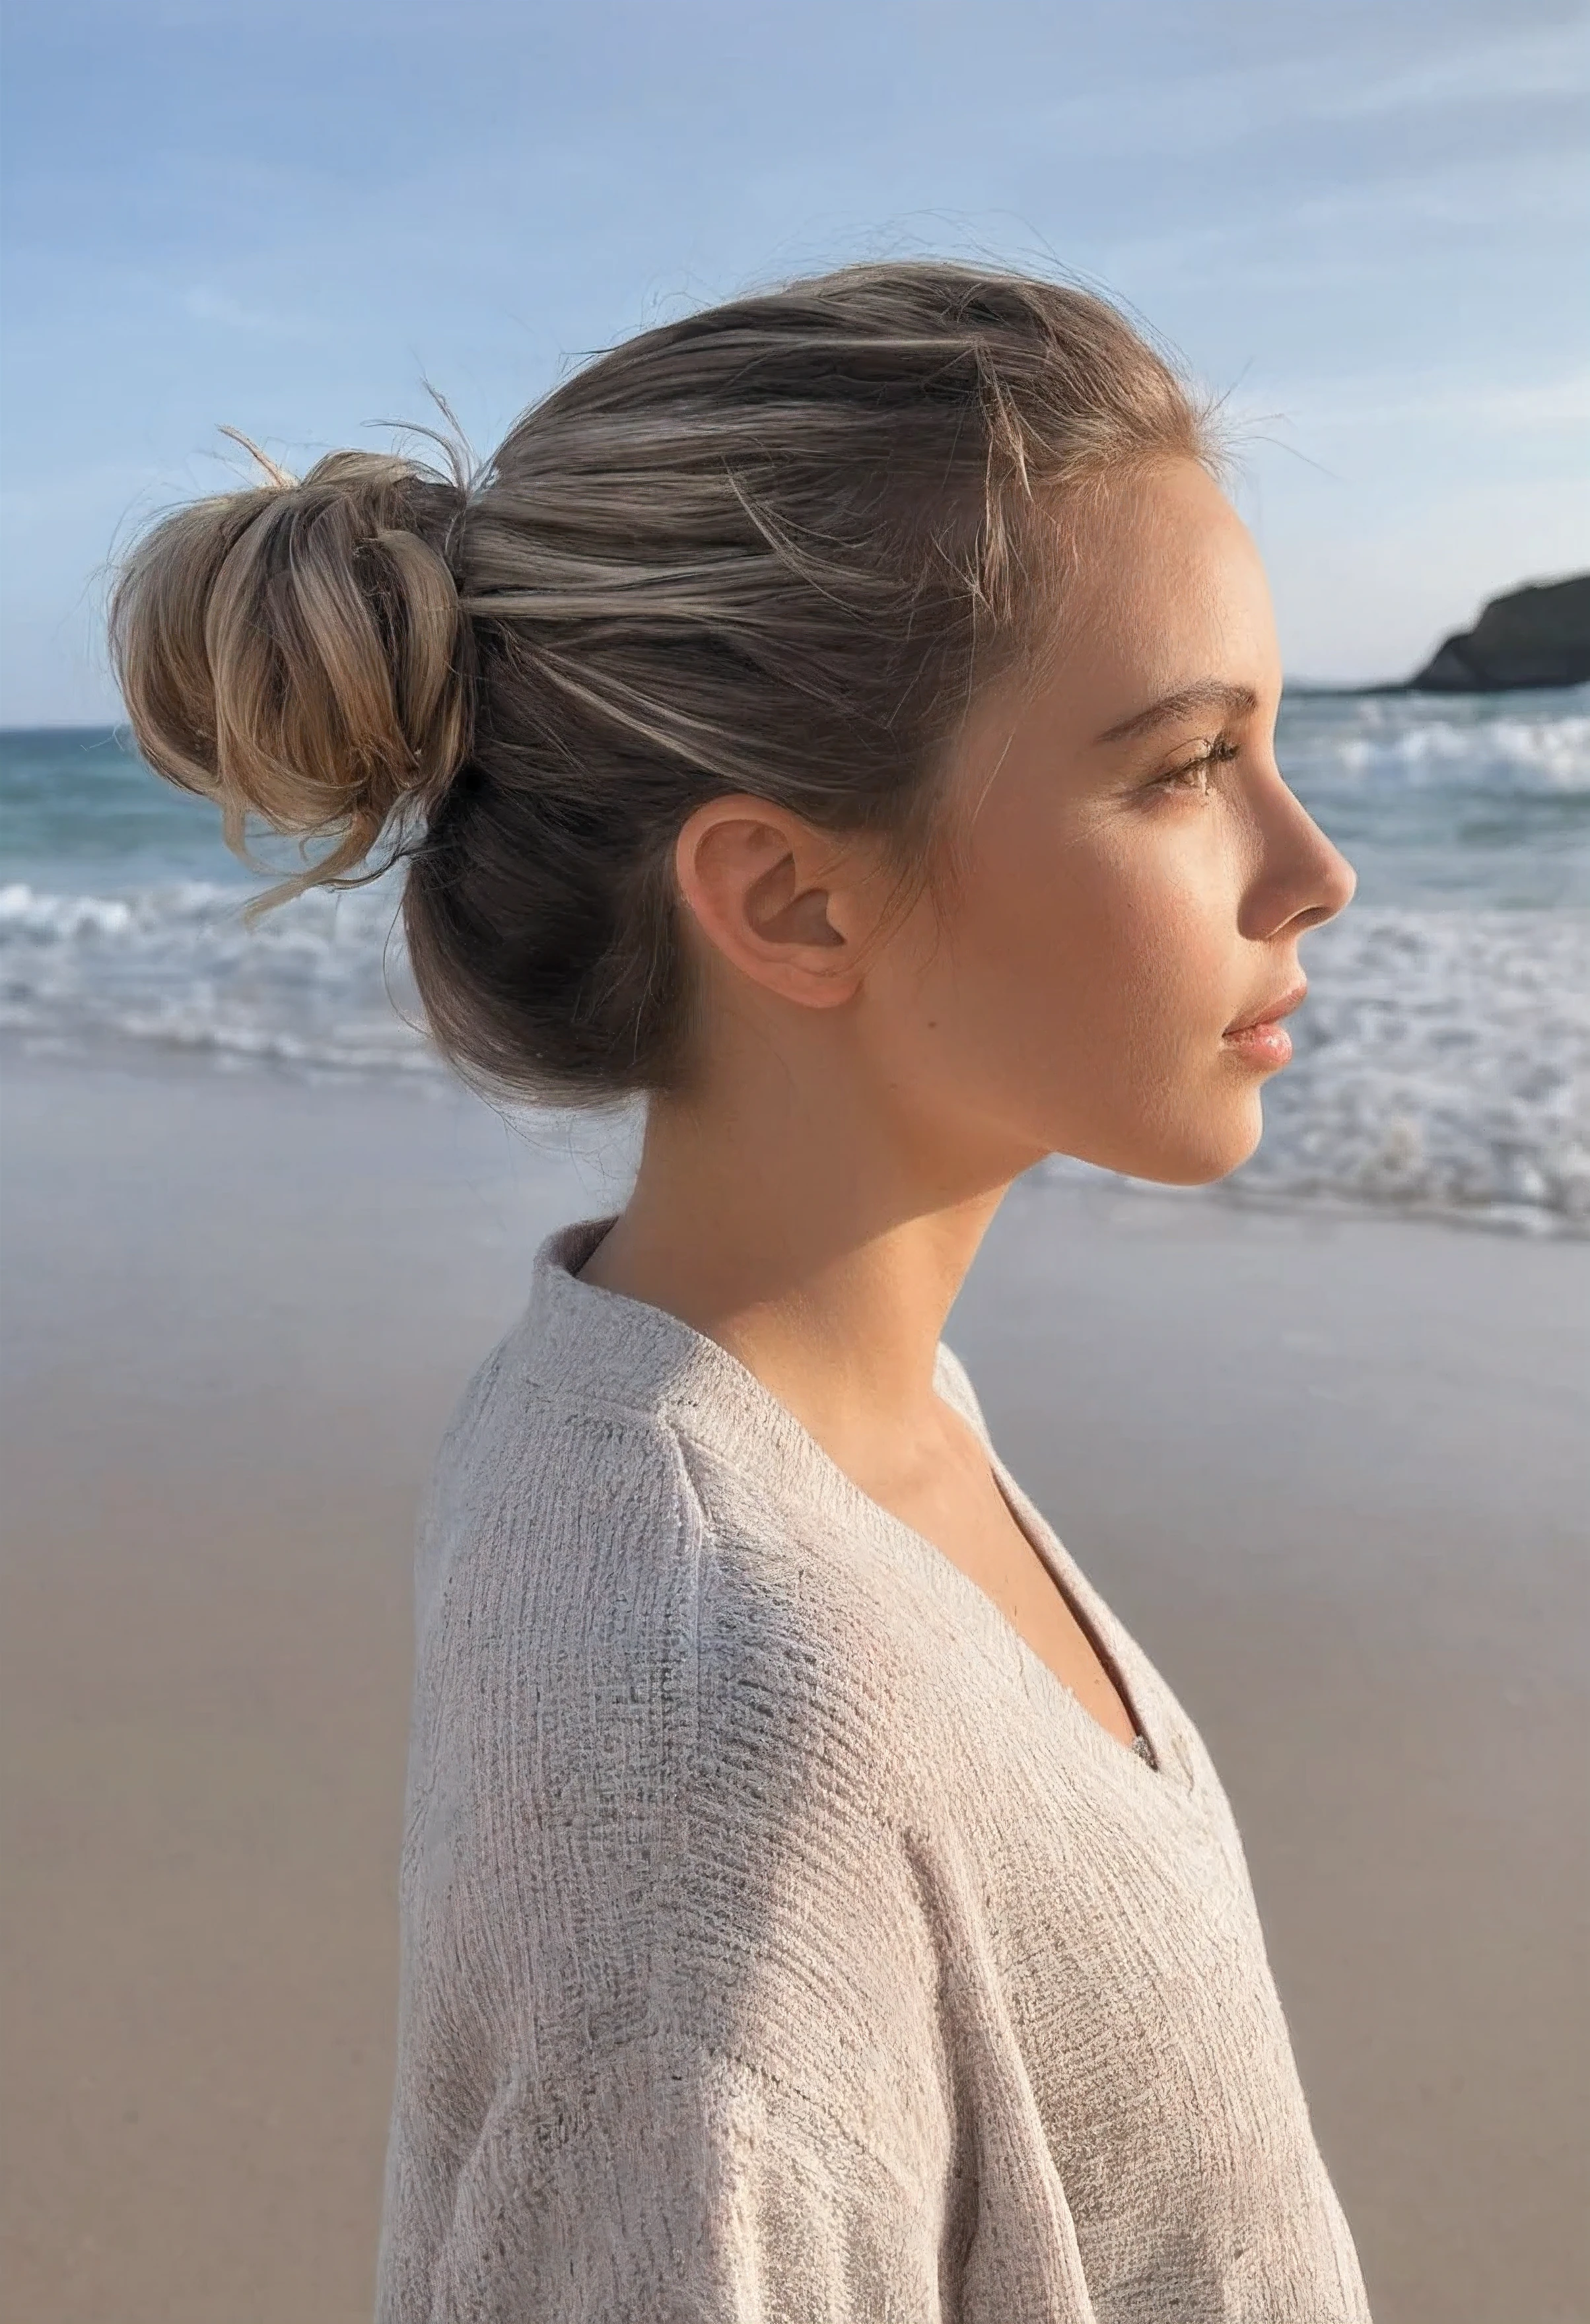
1537 636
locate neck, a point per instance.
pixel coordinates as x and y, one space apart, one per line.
812 1238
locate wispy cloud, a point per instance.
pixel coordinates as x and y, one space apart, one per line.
1543 406
1364 214
1188 112
1363 230
1550 61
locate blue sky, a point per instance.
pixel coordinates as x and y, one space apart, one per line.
1363 222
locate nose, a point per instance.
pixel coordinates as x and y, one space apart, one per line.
1303 879
1337 878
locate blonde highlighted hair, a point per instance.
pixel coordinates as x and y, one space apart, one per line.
773 549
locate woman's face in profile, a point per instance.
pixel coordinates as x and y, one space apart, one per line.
1133 872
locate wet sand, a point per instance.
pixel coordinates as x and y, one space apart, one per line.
1330 1469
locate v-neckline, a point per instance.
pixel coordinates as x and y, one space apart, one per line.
565 1251
1044 1543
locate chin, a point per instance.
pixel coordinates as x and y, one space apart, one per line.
1211 1163
1205 1153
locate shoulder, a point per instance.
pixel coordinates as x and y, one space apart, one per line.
554 1618
551 1515
682 1722
733 1618
593 1553
826 1656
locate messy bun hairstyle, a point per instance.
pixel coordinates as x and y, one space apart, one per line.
770 549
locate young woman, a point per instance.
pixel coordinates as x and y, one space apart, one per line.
845 718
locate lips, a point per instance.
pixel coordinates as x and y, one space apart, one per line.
1272 1010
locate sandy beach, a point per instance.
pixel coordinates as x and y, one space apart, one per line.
1329 1468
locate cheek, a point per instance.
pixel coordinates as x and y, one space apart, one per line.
1069 998
1113 939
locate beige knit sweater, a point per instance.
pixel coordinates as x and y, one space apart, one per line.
781 1941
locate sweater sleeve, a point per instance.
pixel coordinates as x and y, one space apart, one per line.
668 2045
694 2024
679 2186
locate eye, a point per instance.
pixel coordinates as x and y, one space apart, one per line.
1193 774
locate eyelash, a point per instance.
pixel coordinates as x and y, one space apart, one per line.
1217 754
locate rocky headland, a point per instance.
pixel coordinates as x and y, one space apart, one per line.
1535 636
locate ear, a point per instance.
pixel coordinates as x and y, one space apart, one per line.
783 903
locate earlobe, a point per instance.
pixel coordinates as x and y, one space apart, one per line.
757 883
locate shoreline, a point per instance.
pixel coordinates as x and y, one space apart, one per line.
1327 1468
599 1132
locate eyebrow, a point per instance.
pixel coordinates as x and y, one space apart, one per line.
1208 693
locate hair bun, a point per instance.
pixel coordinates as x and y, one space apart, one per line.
297 652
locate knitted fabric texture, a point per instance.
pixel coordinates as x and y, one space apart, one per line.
781 1940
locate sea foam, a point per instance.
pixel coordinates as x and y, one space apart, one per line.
1441 1062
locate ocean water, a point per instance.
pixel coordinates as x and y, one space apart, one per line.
1442 1060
